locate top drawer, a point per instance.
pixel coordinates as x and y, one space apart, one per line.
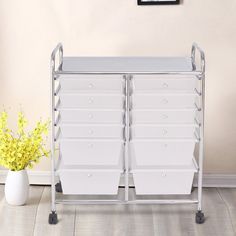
96 83
164 83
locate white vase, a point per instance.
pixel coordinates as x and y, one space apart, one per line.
17 187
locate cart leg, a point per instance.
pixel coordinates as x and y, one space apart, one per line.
52 219
200 218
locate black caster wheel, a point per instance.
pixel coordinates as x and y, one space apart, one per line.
58 187
52 219
200 218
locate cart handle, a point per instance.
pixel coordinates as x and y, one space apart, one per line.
202 55
57 49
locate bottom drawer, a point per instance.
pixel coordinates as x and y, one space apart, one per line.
100 182
164 181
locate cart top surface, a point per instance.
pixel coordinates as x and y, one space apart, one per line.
127 64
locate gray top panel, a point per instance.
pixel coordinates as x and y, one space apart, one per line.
126 64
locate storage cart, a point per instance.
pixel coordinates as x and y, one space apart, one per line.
130 118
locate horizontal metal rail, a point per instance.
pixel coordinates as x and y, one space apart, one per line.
111 202
127 73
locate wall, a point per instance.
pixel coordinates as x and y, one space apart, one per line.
29 30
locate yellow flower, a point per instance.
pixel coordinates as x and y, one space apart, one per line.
24 149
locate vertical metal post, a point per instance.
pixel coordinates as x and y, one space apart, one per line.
202 105
127 131
201 144
59 49
53 190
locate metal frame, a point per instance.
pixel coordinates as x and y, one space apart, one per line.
198 72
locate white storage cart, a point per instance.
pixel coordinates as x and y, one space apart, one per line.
131 117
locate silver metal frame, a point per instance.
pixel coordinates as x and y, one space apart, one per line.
198 72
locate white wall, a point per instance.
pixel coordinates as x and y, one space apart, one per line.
29 30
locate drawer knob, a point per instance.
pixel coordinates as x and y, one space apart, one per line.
165 145
90 100
90 116
165 85
163 174
90 131
165 116
164 101
164 131
90 145
91 85
89 175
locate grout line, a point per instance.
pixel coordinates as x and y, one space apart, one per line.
37 209
228 210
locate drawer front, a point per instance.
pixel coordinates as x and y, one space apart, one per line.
92 131
154 83
180 101
92 152
92 116
167 182
156 153
96 83
163 116
153 131
92 101
89 182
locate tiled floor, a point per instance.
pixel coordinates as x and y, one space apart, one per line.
121 220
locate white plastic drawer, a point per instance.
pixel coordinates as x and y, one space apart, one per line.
155 152
93 83
92 131
162 131
167 180
92 116
91 152
77 181
100 101
163 116
160 101
162 83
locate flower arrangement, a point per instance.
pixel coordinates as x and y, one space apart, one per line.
23 149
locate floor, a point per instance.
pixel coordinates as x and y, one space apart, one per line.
120 220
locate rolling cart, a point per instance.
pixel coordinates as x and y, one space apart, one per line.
130 118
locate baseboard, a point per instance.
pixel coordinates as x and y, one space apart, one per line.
217 180
209 180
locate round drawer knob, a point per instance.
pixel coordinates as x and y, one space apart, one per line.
90 131
164 116
90 116
164 101
164 131
163 174
91 85
90 145
89 175
165 85
90 100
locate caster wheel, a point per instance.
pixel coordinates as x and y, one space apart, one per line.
58 187
52 219
200 218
